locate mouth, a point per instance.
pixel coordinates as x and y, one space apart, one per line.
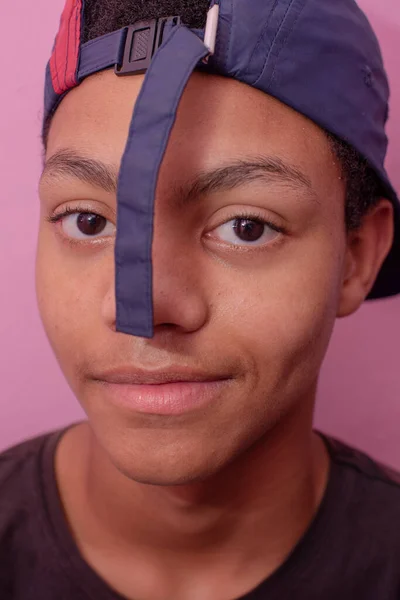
161 392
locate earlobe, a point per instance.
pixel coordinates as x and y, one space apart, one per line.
367 248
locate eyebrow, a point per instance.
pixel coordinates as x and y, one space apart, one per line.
246 171
68 163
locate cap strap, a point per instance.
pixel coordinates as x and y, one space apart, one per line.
101 53
150 129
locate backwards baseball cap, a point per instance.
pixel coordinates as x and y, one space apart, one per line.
320 57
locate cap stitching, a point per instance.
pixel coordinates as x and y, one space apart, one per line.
67 46
284 43
261 37
273 42
77 44
55 63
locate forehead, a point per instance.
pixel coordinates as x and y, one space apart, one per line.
219 119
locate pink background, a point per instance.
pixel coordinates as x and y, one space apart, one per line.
359 396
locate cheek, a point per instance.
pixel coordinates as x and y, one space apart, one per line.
70 308
282 312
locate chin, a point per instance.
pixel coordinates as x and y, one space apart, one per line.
163 458
152 476
158 471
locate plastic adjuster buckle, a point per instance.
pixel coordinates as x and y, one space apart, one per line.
142 41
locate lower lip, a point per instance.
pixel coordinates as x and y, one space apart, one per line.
164 399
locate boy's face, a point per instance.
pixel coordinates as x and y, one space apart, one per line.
251 305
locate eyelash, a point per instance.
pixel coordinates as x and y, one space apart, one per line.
255 216
69 211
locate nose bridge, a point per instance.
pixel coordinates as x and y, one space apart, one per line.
179 297
173 251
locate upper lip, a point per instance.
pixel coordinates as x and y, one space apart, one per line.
130 376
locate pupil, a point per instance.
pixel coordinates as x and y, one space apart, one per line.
90 224
248 230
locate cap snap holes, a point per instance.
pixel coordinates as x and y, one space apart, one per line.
368 76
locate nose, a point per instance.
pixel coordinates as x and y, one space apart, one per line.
179 294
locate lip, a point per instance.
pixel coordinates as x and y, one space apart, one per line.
131 376
169 392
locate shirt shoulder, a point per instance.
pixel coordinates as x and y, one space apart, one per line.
375 487
31 562
362 463
20 457
20 476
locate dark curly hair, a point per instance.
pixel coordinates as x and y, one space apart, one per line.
103 16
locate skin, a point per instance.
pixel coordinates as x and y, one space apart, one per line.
207 504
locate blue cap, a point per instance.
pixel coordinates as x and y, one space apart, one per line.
320 57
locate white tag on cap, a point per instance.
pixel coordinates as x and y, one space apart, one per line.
210 35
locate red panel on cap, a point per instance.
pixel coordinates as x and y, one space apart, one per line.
64 60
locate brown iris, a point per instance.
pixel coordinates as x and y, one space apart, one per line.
248 230
91 224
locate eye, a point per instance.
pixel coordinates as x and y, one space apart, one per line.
247 231
83 225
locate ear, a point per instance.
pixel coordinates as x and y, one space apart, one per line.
367 248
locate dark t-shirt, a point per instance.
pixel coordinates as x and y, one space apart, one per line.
350 552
